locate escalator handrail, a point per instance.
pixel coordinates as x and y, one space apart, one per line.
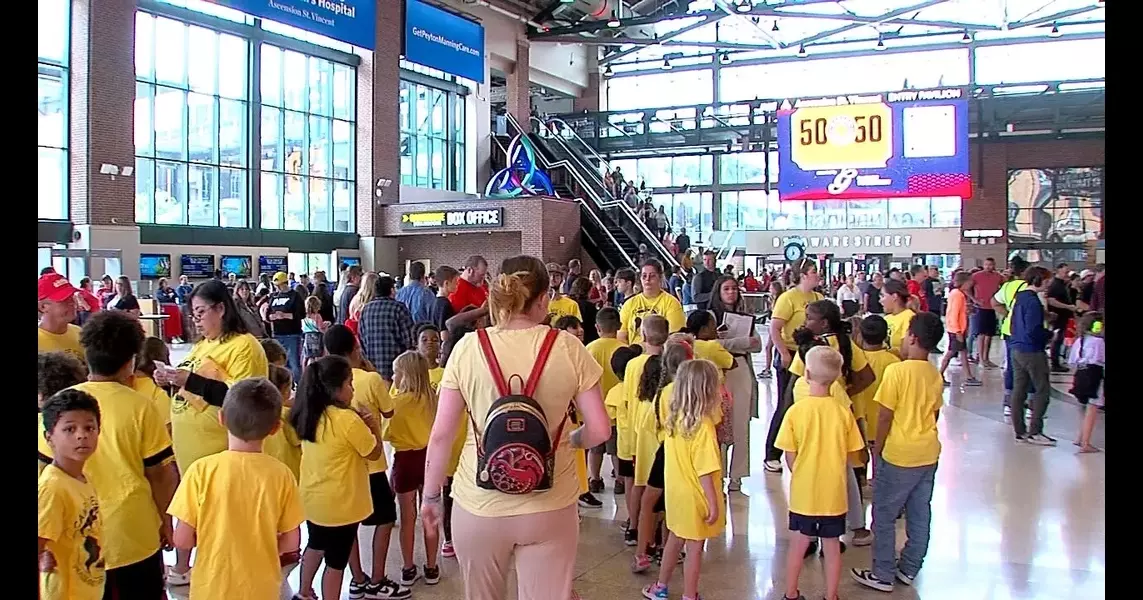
656 243
602 227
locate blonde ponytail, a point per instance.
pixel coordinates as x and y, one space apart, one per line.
508 296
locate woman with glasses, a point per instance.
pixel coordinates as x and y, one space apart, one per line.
225 353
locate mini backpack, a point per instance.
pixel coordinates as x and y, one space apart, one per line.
515 454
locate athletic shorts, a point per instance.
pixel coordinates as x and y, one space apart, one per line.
626 468
818 527
655 479
408 470
985 321
611 446
955 345
336 542
143 579
384 507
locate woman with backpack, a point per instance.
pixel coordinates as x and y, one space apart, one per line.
515 489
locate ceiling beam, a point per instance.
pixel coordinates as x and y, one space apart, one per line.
666 38
881 19
899 21
750 21
547 11
1052 18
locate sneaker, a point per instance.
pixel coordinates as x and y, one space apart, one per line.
1039 439
410 576
772 466
589 501
1008 411
973 382
812 549
620 487
357 589
1021 439
630 537
595 486
178 579
447 550
862 538
641 563
735 485
432 575
800 597
903 578
655 591
387 589
866 578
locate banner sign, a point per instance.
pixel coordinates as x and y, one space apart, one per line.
454 219
349 21
197 266
271 264
442 40
896 145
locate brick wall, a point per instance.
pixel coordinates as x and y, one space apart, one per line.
561 218
519 91
102 125
453 249
990 163
589 99
378 136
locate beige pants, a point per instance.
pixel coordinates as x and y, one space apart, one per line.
542 547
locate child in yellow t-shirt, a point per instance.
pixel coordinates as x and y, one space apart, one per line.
572 325
641 388
616 404
154 351
71 567
429 345
602 349
240 507
692 474
55 371
874 334
275 352
820 439
414 409
337 443
284 443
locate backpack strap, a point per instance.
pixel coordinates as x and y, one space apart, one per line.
541 362
493 364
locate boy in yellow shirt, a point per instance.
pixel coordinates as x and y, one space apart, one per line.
602 349
617 403
559 305
240 507
70 531
906 449
874 333
820 439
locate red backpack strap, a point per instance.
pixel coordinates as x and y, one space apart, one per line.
493 364
541 361
560 430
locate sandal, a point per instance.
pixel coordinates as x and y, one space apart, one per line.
1089 450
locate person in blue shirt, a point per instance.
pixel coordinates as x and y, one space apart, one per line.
417 296
164 293
1029 362
183 291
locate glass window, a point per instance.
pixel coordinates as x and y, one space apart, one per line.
53 23
675 88
752 209
825 214
1057 60
743 167
867 214
728 212
909 212
190 117
432 137
785 215
946 212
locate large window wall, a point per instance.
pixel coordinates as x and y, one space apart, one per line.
206 148
432 136
53 23
762 210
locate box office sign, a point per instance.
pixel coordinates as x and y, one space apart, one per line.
454 219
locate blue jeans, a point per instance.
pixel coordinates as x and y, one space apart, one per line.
293 345
895 488
1008 375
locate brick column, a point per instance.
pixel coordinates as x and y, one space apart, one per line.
589 99
378 135
102 124
519 95
988 207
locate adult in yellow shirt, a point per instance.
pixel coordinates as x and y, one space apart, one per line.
224 354
907 449
492 531
559 305
131 467
240 508
654 300
895 299
788 314
57 311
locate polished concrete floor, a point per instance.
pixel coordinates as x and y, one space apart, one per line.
1009 521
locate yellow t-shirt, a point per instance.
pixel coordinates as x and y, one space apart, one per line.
412 421
69 521
285 445
616 405
639 306
791 308
913 390
67 341
713 351
159 397
435 376
563 307
836 391
371 393
822 433
335 474
857 363
864 405
131 436
602 350
194 425
570 371
685 462
238 504
642 418
898 327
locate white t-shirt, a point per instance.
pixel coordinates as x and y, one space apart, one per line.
847 293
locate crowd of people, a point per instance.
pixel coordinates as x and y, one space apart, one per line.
488 388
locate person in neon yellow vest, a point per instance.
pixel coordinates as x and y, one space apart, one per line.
1002 303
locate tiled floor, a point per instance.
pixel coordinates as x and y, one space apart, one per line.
1009 522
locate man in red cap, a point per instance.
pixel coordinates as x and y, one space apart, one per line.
57 311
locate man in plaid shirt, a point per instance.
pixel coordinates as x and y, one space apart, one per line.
385 329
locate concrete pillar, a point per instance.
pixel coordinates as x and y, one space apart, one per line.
378 113
519 92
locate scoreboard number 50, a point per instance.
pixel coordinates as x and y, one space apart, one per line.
858 136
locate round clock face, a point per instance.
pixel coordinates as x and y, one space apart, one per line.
794 252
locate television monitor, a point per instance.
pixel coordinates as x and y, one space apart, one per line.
350 260
197 266
154 266
239 265
272 264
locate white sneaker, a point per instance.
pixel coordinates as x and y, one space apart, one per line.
772 466
178 579
1039 439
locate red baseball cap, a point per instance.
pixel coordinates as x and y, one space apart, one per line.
54 287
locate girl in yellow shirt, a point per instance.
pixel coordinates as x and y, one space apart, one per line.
692 474
414 409
640 396
337 443
284 443
624 443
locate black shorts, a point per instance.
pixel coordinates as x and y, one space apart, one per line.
384 507
1085 384
143 579
626 468
655 479
818 527
955 345
335 542
985 321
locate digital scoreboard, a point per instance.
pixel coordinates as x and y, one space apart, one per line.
895 145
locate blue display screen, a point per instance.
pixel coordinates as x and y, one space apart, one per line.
239 265
197 266
154 266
